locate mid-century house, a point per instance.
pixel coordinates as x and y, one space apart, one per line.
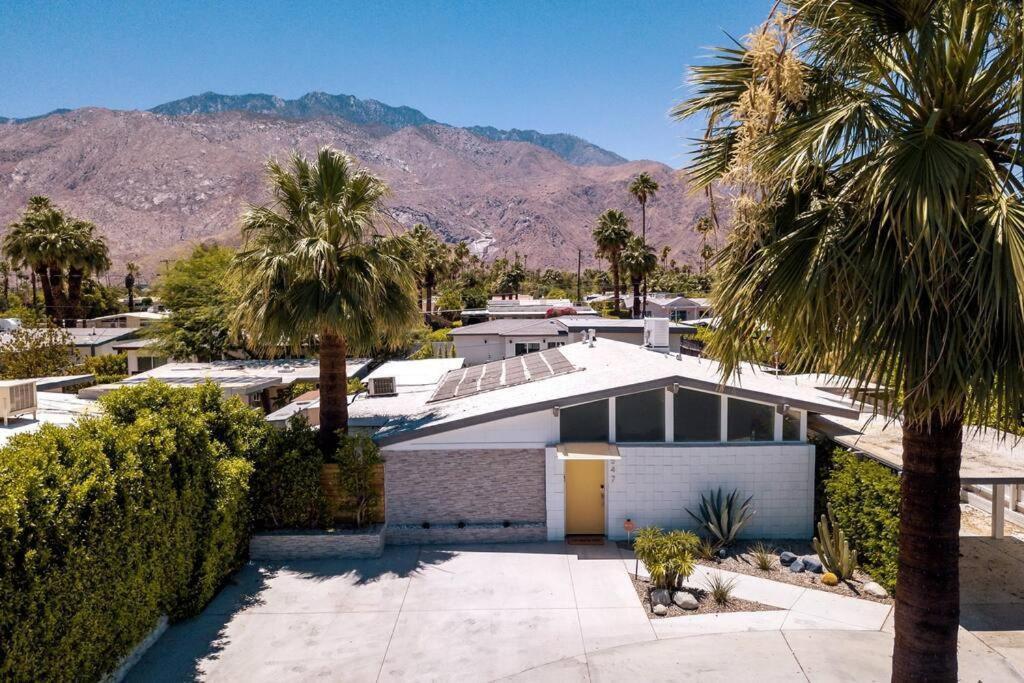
132 319
677 308
142 354
259 382
523 308
99 341
499 339
579 438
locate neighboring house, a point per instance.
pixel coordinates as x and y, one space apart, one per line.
99 341
260 383
131 320
677 308
392 389
499 339
52 407
142 355
580 438
523 308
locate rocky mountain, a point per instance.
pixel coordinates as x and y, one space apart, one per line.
573 149
156 184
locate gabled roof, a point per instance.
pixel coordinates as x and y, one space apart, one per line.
607 368
96 336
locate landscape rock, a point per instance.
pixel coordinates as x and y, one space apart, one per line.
685 600
812 563
786 558
661 596
874 590
660 610
797 566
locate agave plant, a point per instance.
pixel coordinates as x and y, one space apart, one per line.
723 517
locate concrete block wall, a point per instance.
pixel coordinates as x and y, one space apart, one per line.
555 492
472 533
446 486
656 484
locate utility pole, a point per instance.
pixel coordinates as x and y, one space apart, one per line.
579 264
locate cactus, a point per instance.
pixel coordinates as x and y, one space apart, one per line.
830 579
833 549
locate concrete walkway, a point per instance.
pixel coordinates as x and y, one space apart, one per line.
534 611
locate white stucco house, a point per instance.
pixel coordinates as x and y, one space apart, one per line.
500 339
579 438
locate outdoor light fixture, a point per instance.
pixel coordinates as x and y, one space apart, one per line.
675 388
782 408
554 410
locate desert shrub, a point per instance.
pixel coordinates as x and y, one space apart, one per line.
720 587
763 556
286 489
36 349
358 459
864 497
109 523
667 556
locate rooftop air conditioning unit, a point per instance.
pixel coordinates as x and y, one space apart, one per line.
656 333
382 386
17 397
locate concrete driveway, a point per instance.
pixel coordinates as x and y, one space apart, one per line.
543 611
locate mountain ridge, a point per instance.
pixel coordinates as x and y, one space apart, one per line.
368 112
156 184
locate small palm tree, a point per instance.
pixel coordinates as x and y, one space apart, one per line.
879 234
639 260
132 272
643 188
704 227
317 264
611 235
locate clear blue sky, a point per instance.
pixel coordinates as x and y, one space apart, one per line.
607 71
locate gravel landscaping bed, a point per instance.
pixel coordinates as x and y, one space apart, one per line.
740 561
706 604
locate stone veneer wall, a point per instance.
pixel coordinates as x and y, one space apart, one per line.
317 545
482 487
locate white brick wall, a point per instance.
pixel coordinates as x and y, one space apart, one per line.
554 484
656 484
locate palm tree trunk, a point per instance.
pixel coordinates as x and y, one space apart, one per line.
427 305
636 297
615 284
928 584
75 277
333 391
643 223
49 303
60 301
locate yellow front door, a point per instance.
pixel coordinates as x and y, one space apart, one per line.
584 497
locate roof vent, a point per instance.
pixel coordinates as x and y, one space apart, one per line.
382 386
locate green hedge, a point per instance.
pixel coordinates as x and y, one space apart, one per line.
864 497
286 489
109 523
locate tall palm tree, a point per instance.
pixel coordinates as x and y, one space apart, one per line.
643 188
30 243
132 272
610 235
639 260
881 236
704 226
459 256
88 256
317 263
431 257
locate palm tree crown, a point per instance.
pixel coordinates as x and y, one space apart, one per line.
317 264
879 233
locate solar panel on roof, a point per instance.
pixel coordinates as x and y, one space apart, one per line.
502 373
